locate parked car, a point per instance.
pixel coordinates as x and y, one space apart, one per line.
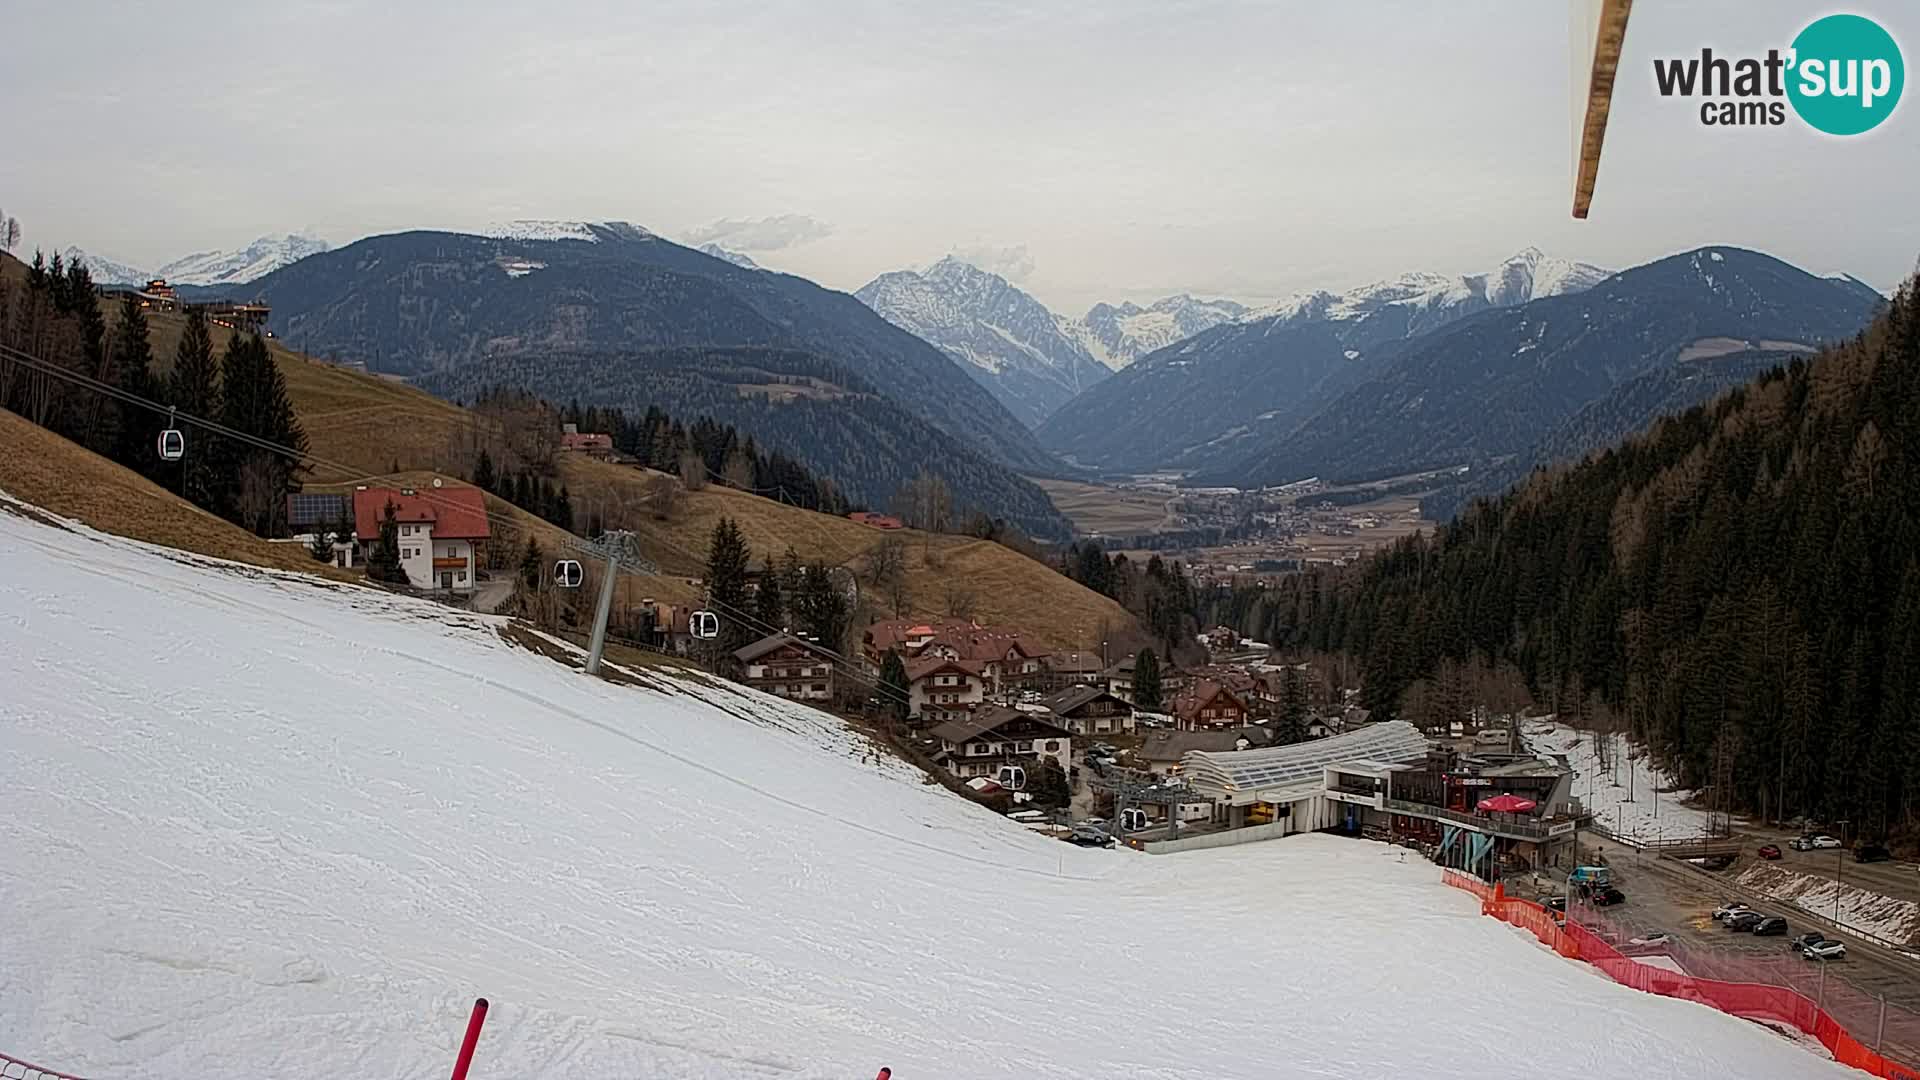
1770 926
1871 853
1744 920
1804 941
1090 836
1556 903
1609 896
1769 851
1728 910
1826 950
1813 842
1650 937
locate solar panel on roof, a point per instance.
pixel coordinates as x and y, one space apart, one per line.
1396 741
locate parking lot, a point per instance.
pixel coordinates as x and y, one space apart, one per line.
1679 899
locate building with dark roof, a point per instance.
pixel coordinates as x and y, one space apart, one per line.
1090 710
788 667
980 742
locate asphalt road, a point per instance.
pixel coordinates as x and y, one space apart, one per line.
1679 899
1900 880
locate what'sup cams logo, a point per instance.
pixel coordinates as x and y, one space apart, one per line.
1842 75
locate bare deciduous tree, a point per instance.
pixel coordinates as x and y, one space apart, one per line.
693 471
961 600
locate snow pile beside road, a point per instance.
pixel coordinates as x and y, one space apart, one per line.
259 825
1868 913
1629 772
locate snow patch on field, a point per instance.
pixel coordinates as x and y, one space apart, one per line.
257 824
1868 913
1605 792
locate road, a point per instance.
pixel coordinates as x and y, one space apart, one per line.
1900 880
1679 898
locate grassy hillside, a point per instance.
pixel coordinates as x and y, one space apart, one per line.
66 478
367 424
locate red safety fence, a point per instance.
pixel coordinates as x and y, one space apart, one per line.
1752 1001
15 1069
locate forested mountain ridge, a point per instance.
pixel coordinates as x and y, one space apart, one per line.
1491 387
811 409
416 302
1740 586
1627 410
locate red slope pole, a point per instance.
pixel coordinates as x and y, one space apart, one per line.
473 1036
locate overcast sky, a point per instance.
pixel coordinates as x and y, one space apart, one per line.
1122 149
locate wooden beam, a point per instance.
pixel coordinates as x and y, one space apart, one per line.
1593 129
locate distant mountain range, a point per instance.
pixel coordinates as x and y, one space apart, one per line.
1119 335
1487 391
733 257
463 308
1006 340
1213 399
208 268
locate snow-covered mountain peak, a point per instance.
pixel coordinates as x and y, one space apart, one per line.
105 270
724 255
1527 275
256 260
1006 339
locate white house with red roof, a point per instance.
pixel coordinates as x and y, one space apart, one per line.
438 529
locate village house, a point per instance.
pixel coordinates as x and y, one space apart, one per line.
1076 669
575 441
309 513
1164 750
788 667
1207 705
939 689
979 743
1002 658
1120 680
1090 710
438 532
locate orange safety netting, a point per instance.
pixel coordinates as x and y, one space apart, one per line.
1753 1001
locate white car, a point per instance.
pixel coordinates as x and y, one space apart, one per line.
1812 843
1826 950
1650 937
1728 910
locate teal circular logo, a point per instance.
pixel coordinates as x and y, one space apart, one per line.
1846 76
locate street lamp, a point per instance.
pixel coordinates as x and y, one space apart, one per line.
1839 868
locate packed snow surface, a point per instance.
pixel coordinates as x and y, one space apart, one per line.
1620 795
1864 911
262 826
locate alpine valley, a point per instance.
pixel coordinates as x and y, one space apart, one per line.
613 314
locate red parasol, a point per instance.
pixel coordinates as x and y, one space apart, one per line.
1508 804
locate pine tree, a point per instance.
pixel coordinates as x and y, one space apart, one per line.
383 562
533 565
822 608
1146 681
727 558
563 509
255 401
320 545
895 691
483 477
193 387
770 602
1292 725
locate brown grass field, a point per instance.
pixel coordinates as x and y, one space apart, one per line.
1097 508
41 468
360 426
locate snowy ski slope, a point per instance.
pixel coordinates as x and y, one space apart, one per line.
256 826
